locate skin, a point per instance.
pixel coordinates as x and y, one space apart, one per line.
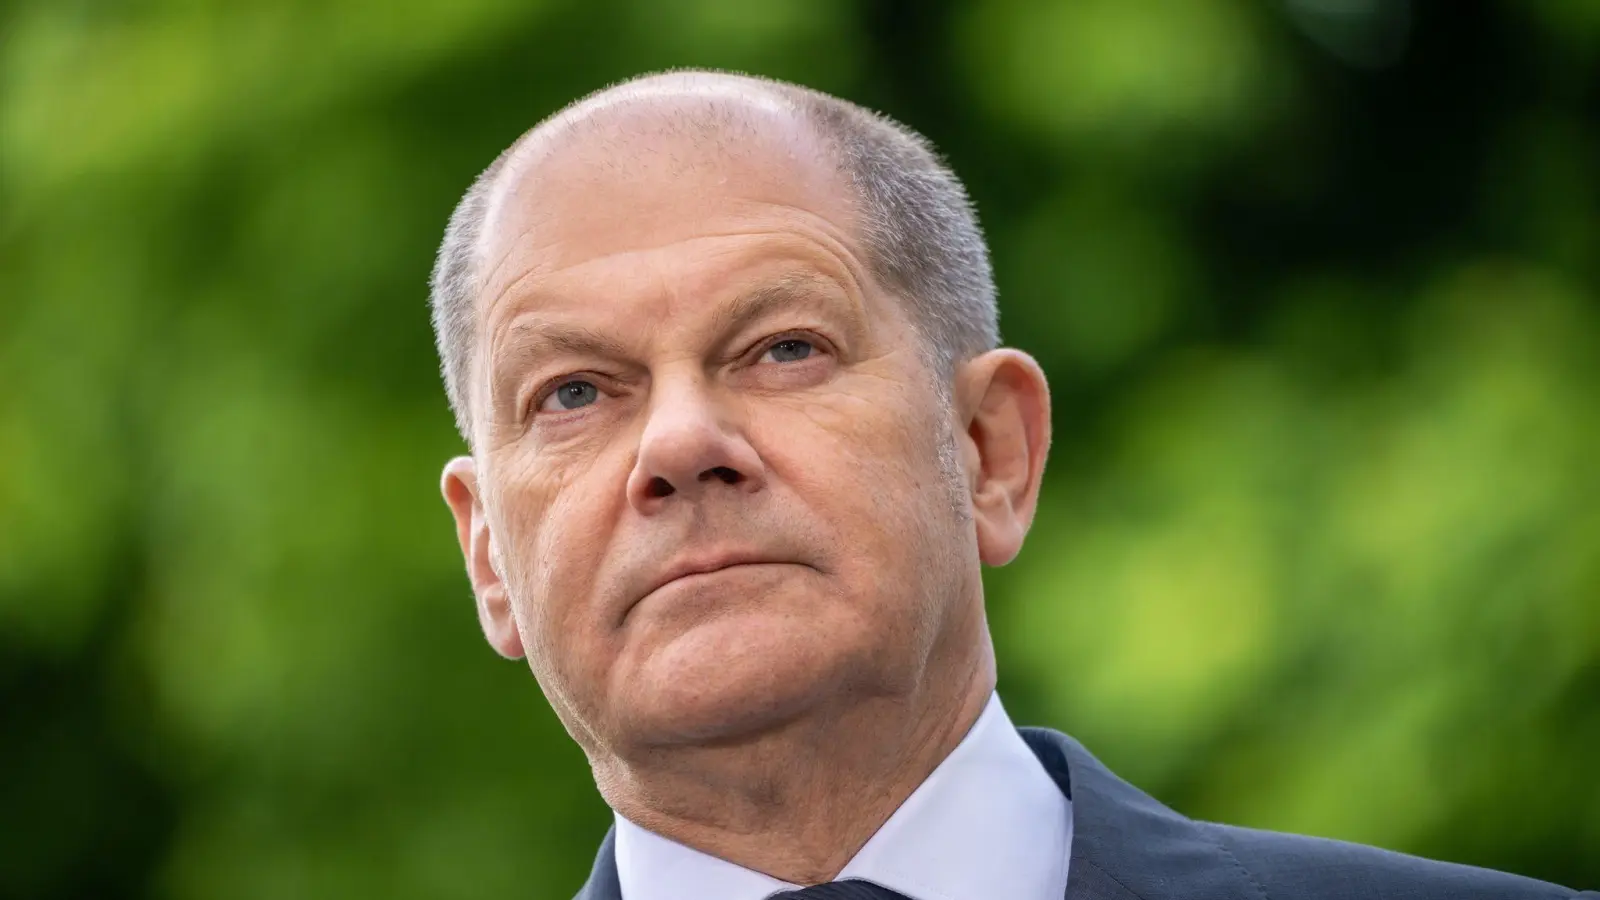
683 358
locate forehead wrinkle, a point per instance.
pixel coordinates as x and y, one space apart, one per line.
510 249
837 249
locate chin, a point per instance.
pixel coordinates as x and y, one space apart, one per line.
730 679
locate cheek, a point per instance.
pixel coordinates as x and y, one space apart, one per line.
882 450
868 468
553 548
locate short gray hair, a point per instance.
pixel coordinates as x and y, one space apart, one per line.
919 230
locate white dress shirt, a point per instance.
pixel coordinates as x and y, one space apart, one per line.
988 822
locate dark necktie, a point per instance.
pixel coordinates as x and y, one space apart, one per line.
841 890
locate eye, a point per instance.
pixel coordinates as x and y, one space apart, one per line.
570 395
789 350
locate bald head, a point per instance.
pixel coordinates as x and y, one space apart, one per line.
911 214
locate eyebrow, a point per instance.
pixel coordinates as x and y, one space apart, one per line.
786 292
526 340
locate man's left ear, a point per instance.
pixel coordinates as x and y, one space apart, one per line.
1003 402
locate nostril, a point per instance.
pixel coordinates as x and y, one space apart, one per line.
727 475
659 487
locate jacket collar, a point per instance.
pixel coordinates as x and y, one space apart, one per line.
603 883
1125 844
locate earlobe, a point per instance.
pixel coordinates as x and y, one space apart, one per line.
459 485
1006 409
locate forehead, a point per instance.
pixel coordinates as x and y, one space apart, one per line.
659 173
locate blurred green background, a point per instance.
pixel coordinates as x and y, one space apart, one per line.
1317 284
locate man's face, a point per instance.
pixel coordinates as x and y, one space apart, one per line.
709 452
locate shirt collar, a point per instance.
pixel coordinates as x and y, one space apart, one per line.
988 822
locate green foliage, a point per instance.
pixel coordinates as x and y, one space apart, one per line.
1320 542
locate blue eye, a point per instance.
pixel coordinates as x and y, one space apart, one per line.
790 350
571 395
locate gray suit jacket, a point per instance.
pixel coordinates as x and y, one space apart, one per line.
1127 846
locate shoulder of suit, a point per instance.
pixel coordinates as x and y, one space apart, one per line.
1294 867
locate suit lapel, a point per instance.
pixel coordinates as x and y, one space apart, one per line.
1125 844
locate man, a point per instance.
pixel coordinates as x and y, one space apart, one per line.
726 356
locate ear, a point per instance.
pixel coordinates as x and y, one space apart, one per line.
1003 402
460 488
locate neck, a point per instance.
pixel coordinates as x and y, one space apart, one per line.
798 803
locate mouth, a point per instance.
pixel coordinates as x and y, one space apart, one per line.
689 570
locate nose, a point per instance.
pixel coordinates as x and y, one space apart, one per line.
689 449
